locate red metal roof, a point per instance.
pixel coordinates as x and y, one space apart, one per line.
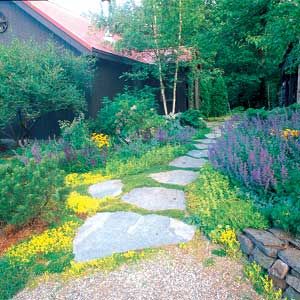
82 30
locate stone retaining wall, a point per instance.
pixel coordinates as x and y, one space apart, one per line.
278 253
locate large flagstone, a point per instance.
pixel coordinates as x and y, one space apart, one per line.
201 146
108 188
179 177
107 233
156 198
188 162
198 153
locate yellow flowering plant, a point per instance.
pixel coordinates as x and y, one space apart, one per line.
290 133
226 236
262 282
52 240
76 179
101 140
82 204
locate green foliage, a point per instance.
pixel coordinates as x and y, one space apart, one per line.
13 278
132 112
134 165
37 79
261 282
75 133
30 191
219 105
192 118
215 202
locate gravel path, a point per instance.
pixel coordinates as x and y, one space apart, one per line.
176 274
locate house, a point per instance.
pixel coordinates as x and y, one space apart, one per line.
290 79
43 20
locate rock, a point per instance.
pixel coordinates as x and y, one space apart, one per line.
294 282
290 293
156 198
188 162
266 241
201 146
246 244
296 274
179 177
262 259
206 141
295 243
279 269
108 188
278 283
198 153
291 257
280 234
108 233
213 135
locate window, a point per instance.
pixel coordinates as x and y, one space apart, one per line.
3 23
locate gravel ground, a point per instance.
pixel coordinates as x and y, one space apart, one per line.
174 274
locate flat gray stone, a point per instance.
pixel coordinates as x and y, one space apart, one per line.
188 162
266 241
107 233
265 261
290 293
206 141
201 146
246 244
213 135
198 153
291 256
294 282
110 188
156 198
179 177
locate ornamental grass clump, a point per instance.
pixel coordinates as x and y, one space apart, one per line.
261 151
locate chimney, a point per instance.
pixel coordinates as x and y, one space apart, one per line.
106 8
106 13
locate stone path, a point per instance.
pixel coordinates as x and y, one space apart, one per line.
176 273
111 188
178 177
107 233
156 198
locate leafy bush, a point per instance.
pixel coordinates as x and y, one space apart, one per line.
132 112
37 79
261 151
30 191
214 202
192 118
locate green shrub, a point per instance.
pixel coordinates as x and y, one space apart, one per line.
193 118
30 191
219 98
132 112
37 79
214 202
75 133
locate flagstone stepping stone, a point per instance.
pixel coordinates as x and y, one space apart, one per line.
201 146
198 153
156 198
188 162
206 141
179 177
110 188
213 135
107 233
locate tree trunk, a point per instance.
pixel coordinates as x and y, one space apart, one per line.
160 71
197 92
177 59
298 86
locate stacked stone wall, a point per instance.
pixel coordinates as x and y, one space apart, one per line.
278 253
